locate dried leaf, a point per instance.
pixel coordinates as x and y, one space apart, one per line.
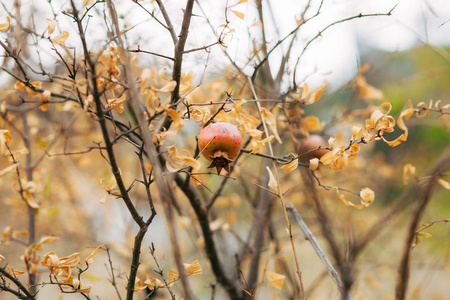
424 234
356 132
117 103
8 169
173 276
238 14
367 196
273 184
139 286
153 283
288 168
51 25
404 115
176 161
176 118
275 279
48 239
194 268
313 164
354 150
14 273
89 259
444 184
259 144
350 204
60 39
168 87
5 26
200 114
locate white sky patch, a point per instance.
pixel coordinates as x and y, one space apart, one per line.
333 58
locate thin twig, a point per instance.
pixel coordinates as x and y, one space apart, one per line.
111 268
294 81
310 237
160 271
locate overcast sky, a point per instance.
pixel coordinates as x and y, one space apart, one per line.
332 58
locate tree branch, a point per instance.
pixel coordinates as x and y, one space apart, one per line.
179 50
310 237
415 216
294 81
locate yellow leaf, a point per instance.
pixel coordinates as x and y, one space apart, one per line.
288 168
60 39
259 144
200 114
404 115
89 259
272 181
367 196
8 169
30 199
173 276
356 132
238 14
152 284
315 96
354 149
5 26
51 25
194 268
424 234
117 103
176 118
444 184
313 164
168 87
275 279
176 161
14 273
350 204
48 239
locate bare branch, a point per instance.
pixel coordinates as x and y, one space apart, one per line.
310 237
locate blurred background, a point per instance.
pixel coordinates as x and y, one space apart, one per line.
409 57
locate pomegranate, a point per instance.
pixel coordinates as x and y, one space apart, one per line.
220 143
313 142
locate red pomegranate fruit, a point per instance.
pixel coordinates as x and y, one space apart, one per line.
220 143
313 142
